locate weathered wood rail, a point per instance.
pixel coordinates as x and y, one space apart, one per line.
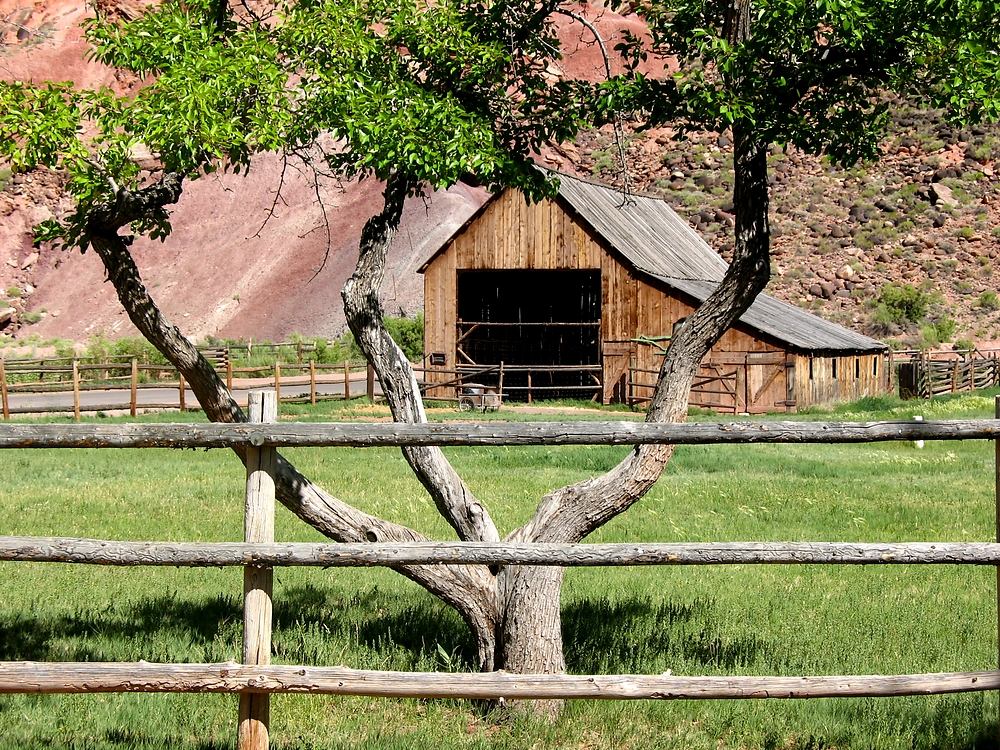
371 435
301 554
146 677
256 678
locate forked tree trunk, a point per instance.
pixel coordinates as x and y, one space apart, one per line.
469 589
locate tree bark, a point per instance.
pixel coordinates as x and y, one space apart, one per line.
453 499
364 312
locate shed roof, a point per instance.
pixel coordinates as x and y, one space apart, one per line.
660 244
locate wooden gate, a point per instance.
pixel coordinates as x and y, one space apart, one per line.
765 381
616 358
715 387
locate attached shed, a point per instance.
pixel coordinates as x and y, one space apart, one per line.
580 293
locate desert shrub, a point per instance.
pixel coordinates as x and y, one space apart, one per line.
139 349
988 300
901 303
409 334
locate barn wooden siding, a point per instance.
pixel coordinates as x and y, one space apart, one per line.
753 374
508 234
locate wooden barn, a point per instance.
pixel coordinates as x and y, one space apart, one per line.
579 294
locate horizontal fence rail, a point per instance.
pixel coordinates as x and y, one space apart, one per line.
221 554
362 435
256 678
145 677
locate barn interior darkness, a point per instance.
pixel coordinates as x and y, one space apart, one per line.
532 318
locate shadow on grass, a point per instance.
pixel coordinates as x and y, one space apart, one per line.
631 635
600 635
124 627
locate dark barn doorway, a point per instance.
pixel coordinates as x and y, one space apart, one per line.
543 325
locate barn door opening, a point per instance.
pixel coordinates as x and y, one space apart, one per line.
543 325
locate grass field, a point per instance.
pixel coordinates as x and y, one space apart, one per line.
727 620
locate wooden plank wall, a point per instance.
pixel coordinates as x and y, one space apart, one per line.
508 234
856 376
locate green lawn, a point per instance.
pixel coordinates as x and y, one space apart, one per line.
709 620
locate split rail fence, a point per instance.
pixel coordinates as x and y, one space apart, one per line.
302 382
255 679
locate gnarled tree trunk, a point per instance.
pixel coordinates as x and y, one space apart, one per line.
463 587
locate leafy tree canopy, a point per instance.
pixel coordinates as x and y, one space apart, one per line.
431 91
812 73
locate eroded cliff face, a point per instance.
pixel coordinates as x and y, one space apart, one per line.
231 267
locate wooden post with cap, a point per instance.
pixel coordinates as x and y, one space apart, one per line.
258 526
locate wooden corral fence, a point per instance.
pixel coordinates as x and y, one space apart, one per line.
729 382
73 375
256 678
715 387
532 381
923 376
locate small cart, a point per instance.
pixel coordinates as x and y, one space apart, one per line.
477 397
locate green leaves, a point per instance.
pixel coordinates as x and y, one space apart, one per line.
818 73
435 91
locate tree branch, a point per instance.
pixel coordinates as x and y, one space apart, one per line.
617 119
573 512
364 312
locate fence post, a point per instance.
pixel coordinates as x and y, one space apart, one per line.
76 390
347 380
134 390
258 526
500 383
4 403
529 386
277 381
181 390
229 373
312 382
370 383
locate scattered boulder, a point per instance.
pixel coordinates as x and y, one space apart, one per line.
29 261
845 272
6 315
944 173
941 195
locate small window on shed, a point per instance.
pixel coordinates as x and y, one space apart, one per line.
833 367
810 368
857 368
874 367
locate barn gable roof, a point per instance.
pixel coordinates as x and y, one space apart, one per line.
654 240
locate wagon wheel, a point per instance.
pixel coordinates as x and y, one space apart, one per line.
466 404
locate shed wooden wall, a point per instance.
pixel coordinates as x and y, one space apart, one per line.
857 375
